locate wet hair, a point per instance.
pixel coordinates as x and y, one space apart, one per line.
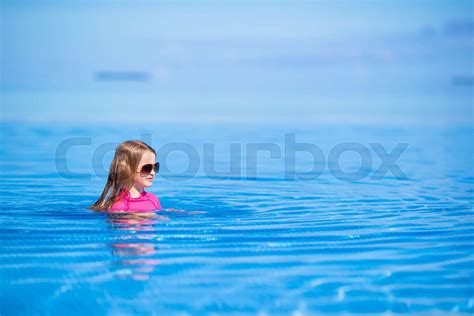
122 170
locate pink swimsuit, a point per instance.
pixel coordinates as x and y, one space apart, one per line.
146 202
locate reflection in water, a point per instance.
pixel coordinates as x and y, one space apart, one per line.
136 246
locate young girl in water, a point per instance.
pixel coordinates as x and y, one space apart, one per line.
132 170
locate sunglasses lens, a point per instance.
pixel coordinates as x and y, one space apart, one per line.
146 169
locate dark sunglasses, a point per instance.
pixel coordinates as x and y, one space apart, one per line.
146 169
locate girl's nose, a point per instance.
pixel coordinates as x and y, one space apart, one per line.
153 173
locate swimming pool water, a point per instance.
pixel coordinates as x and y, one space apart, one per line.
264 245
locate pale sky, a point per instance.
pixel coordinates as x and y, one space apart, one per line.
254 61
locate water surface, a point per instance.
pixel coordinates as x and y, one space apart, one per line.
265 245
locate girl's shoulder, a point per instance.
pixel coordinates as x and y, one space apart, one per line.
121 202
118 205
151 195
154 199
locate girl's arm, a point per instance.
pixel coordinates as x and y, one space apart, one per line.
174 210
135 215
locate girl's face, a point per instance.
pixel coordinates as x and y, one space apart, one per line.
140 181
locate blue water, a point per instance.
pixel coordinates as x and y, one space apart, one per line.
261 245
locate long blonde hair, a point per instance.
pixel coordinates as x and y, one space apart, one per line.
122 170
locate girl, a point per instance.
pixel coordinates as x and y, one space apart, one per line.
132 170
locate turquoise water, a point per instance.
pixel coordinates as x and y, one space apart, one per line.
261 245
